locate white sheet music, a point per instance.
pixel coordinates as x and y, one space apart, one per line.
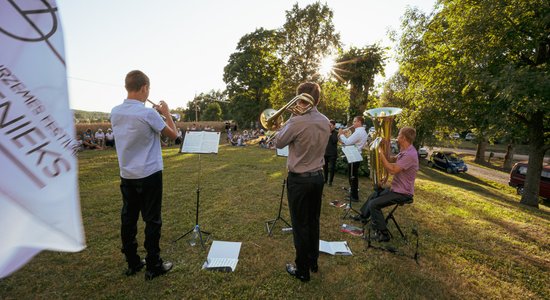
334 248
223 256
352 153
201 142
283 152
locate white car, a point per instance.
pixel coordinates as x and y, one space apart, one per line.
454 136
470 136
423 152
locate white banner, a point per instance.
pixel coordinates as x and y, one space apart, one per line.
39 200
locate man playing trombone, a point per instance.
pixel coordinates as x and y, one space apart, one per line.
359 139
306 135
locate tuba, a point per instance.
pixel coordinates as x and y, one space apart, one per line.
272 120
382 119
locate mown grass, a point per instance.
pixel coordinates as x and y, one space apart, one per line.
476 241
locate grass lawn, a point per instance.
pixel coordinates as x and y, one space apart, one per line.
476 241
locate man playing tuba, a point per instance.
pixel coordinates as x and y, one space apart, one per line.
403 167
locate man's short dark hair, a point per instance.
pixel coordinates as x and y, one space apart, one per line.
310 88
360 119
332 122
135 80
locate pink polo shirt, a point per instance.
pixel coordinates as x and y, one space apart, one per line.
403 182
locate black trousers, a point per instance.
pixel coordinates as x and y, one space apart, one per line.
375 205
141 195
329 168
304 201
353 175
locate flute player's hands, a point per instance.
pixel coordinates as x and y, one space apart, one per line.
162 108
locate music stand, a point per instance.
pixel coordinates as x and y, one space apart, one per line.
270 224
199 142
352 155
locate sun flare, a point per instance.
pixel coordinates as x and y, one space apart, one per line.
326 66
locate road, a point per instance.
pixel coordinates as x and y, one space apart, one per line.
517 157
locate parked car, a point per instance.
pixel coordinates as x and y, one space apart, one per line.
469 137
454 136
423 152
447 161
517 179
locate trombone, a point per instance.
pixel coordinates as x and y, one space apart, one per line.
272 120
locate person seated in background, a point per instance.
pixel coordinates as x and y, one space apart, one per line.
110 138
87 136
262 143
88 143
100 138
179 137
241 141
234 140
245 135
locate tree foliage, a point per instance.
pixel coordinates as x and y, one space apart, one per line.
358 67
482 65
250 73
307 36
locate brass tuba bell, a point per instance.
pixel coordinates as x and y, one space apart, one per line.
382 118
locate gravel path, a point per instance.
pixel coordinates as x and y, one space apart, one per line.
493 175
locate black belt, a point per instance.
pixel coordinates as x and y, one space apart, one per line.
306 174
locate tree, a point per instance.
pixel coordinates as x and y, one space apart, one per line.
482 62
334 100
357 67
307 37
250 74
199 104
213 112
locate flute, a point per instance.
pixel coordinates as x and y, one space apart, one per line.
154 104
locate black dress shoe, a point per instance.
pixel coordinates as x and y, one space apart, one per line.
132 270
314 268
381 236
360 218
158 270
291 269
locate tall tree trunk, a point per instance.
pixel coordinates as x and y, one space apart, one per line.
530 194
509 157
480 153
354 93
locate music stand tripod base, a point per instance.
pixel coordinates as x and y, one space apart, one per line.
269 225
200 235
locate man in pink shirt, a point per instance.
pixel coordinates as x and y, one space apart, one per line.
403 167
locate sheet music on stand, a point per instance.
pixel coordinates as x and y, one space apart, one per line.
201 142
223 256
283 151
352 153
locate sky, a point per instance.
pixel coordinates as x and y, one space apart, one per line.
183 46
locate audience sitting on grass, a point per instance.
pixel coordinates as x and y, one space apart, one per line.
88 143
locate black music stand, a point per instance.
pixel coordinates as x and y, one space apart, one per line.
199 142
352 155
270 224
